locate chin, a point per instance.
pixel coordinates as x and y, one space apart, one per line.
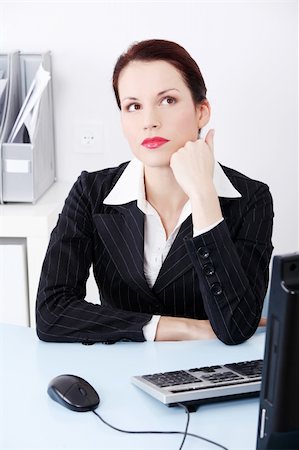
154 158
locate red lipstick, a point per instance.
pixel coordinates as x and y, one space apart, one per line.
154 142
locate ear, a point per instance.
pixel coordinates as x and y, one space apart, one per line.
203 111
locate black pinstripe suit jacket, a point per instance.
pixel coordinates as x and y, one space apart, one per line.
221 275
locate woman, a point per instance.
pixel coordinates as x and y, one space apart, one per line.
180 246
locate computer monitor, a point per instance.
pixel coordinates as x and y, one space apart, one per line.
278 425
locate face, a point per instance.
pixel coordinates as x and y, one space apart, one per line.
157 111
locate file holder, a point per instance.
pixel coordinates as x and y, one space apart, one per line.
28 168
9 64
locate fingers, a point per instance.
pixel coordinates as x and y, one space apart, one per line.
263 322
210 139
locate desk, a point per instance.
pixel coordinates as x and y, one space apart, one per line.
31 420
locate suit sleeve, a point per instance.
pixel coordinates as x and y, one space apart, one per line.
62 314
233 272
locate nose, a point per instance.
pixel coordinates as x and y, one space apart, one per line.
151 120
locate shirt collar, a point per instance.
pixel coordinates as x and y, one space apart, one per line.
130 185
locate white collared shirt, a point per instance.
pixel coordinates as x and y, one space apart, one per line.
130 187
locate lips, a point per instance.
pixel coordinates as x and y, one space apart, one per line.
154 142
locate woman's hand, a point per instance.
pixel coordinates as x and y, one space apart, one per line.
182 329
193 168
193 165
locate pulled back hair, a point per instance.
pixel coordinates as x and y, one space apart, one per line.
161 50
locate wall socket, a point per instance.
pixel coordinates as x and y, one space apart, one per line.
88 136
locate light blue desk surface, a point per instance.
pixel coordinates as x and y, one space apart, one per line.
31 420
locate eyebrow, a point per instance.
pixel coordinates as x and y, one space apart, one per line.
158 95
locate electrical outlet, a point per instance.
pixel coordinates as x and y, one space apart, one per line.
88 137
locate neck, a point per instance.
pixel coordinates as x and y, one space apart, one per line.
162 190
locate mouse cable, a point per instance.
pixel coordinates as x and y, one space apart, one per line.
185 433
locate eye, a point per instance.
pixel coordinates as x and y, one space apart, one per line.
133 107
168 101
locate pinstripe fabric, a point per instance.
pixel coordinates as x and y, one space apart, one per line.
221 275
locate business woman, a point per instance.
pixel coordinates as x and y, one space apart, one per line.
180 245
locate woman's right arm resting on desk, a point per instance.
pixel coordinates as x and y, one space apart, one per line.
62 314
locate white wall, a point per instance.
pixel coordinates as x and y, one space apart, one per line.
247 51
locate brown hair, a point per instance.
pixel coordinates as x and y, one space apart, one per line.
159 49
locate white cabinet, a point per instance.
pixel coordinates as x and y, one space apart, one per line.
14 300
21 270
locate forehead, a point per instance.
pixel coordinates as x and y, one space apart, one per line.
149 76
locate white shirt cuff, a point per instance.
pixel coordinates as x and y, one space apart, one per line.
150 329
205 230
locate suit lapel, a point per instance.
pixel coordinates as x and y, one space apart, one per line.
121 232
177 261
229 211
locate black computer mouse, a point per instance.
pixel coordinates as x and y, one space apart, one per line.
74 393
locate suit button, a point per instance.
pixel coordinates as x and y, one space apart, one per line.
203 252
216 289
208 269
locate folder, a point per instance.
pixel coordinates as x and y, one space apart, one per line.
28 162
